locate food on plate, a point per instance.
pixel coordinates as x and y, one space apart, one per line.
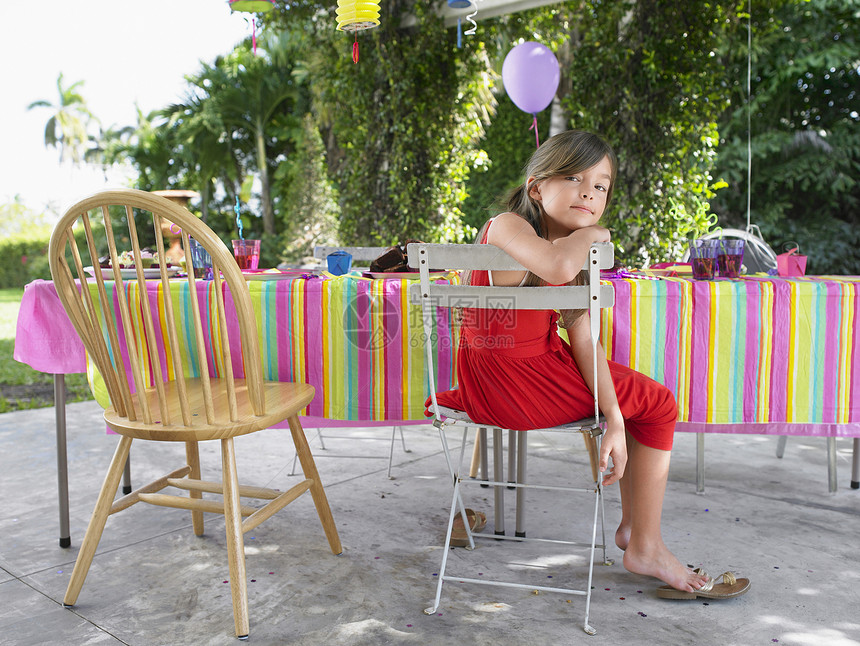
148 260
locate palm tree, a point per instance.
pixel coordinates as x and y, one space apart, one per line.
242 97
67 127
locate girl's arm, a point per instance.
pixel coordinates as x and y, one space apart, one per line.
557 261
614 443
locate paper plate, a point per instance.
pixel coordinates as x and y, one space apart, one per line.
152 272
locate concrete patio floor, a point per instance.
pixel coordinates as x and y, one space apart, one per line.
154 582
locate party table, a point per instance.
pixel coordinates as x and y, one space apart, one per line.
760 355
763 355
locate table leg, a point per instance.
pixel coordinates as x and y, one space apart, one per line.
831 464
498 476
126 476
855 467
700 462
522 451
62 459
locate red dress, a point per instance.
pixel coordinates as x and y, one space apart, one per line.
515 371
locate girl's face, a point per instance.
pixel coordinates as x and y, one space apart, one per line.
573 202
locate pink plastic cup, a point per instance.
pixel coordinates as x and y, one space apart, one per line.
247 253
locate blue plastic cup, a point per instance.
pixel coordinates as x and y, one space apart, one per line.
339 263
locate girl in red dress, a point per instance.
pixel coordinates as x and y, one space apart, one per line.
515 371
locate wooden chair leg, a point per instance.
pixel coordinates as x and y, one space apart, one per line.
476 457
235 539
192 455
309 467
593 458
97 521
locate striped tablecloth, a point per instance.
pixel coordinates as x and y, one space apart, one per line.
756 355
357 341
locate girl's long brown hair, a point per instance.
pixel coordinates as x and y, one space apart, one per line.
566 153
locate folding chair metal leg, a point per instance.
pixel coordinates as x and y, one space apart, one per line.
391 448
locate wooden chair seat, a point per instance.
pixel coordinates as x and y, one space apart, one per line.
283 400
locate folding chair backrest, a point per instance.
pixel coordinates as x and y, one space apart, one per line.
431 295
132 359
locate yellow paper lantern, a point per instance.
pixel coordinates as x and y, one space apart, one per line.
356 15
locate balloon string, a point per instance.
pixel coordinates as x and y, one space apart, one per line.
254 35
355 50
534 127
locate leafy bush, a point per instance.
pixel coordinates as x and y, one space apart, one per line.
24 258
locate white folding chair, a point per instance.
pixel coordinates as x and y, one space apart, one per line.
432 296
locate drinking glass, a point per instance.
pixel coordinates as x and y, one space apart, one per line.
247 253
202 261
729 257
703 257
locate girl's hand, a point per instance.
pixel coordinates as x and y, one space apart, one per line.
595 233
614 445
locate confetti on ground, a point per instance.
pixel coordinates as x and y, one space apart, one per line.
409 625
641 614
639 592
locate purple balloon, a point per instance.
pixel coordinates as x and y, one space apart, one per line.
531 75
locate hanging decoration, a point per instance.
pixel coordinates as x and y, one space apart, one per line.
531 75
355 16
462 4
253 6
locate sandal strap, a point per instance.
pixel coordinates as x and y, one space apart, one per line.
727 577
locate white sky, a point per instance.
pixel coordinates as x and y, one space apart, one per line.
125 51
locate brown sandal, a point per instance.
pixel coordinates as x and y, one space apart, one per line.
477 522
730 587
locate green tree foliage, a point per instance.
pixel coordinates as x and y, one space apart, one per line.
805 142
399 127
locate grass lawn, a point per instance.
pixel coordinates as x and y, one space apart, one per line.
21 386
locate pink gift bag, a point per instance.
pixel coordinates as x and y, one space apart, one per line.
791 264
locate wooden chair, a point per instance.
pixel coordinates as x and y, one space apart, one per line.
221 397
432 296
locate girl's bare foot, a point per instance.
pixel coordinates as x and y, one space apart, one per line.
622 536
659 562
